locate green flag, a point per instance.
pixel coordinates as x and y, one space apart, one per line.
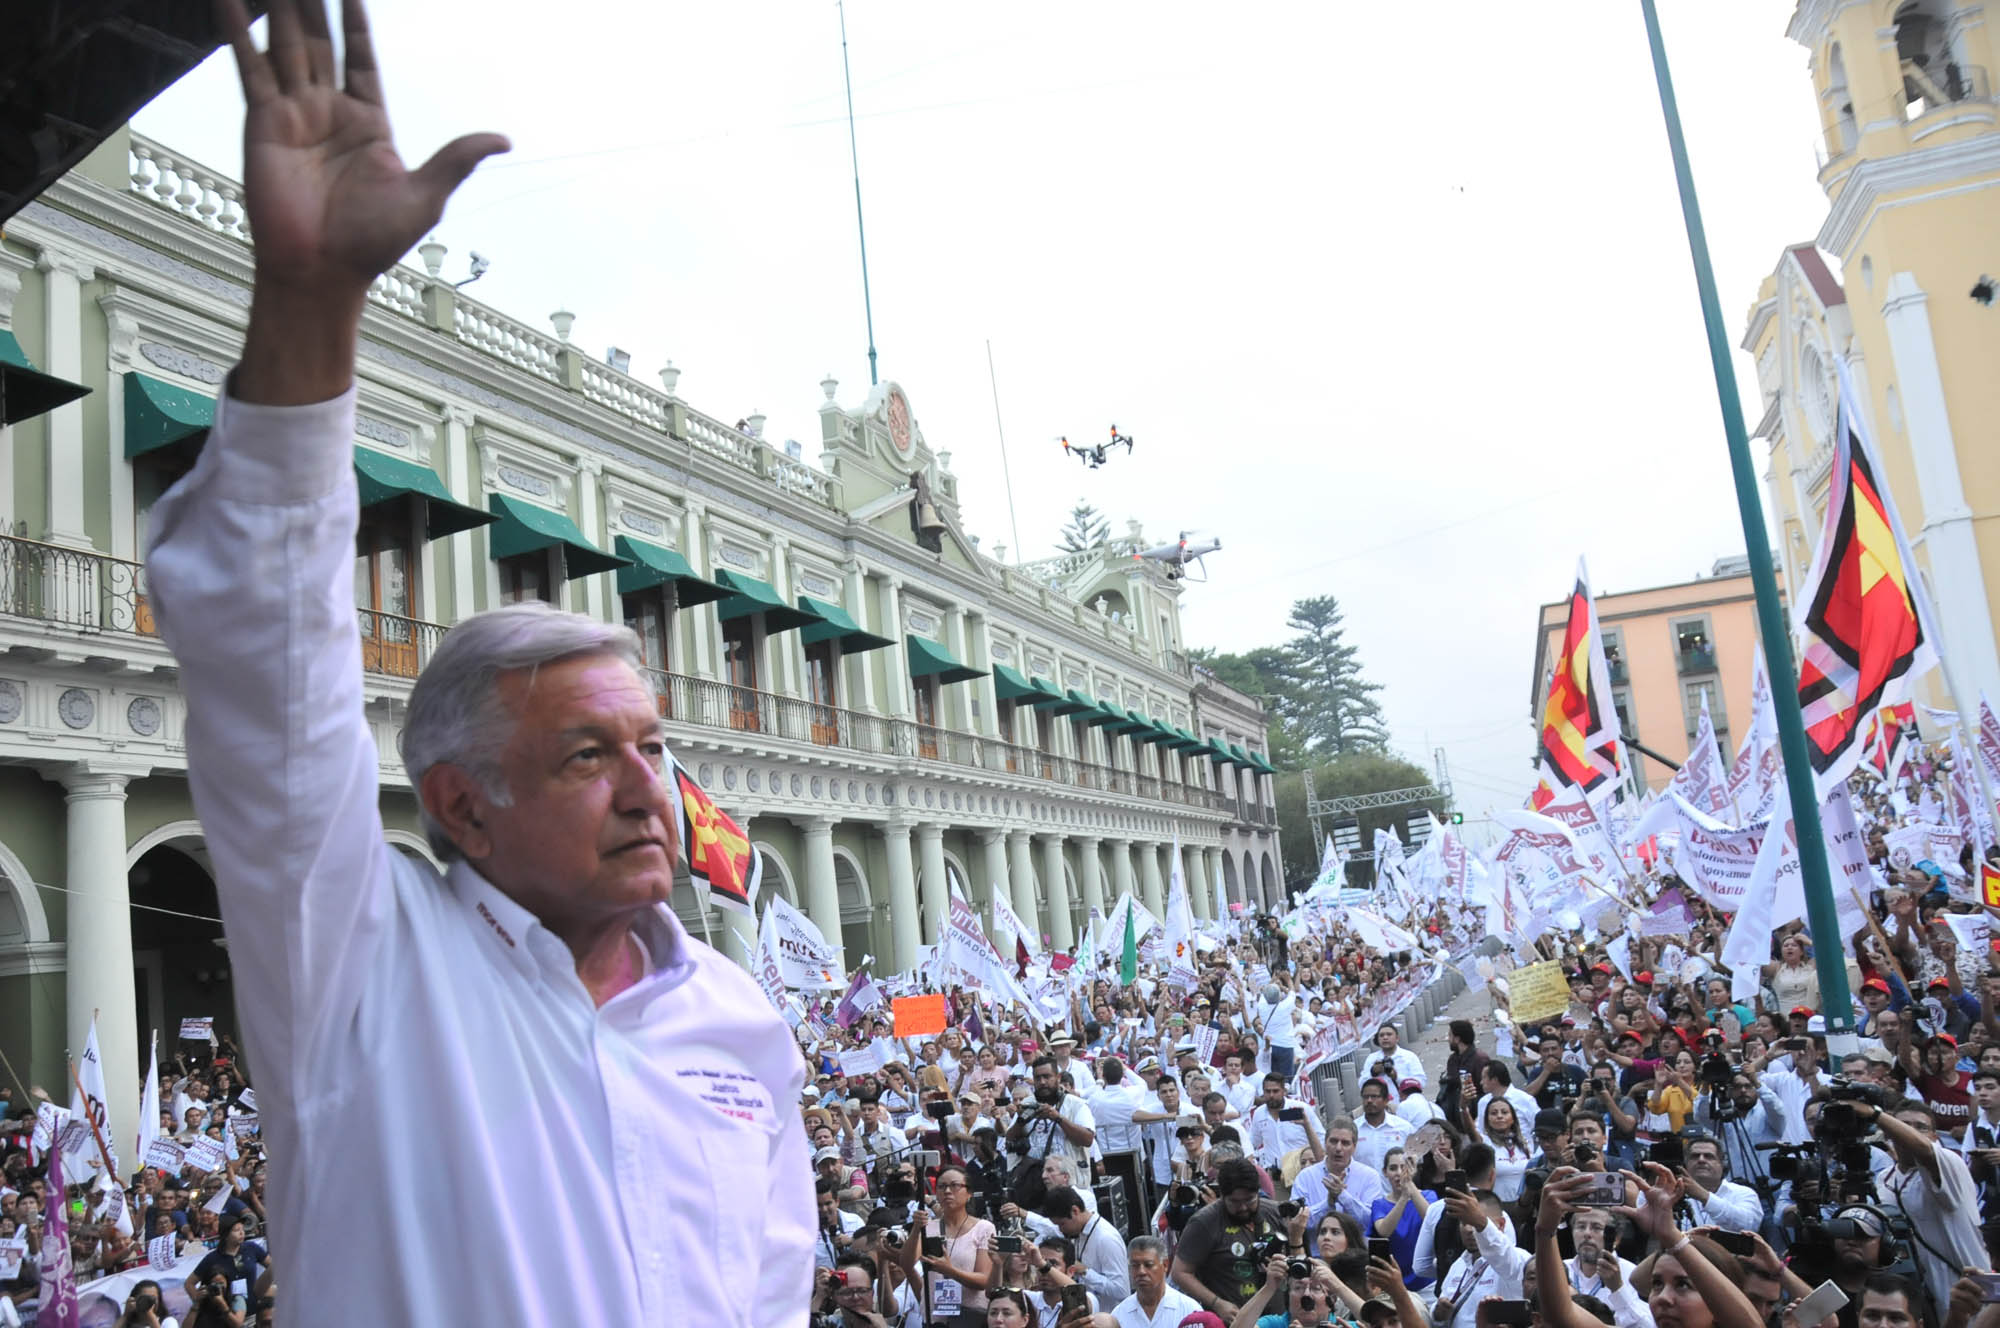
1128 958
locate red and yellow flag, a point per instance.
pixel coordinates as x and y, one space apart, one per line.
1989 884
1864 621
1579 727
720 857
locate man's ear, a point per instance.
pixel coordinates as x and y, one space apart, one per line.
455 800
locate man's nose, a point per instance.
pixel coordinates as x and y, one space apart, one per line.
642 786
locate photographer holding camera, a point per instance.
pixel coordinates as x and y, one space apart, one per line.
1224 1245
145 1308
218 1305
1933 1188
1712 1198
1743 1114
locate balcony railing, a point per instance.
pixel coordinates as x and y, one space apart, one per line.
1617 670
73 587
394 646
1697 659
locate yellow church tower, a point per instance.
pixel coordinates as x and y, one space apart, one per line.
1911 169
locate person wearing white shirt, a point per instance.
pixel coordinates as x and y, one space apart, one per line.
1099 1247
1112 1103
1154 1302
1498 1081
533 742
1794 1079
1056 1120
1271 1135
836 1225
1160 1119
1590 1231
1714 1199
1491 1265
877 1138
1403 1062
1933 1187
1337 1182
1414 1107
1239 1091
1377 1131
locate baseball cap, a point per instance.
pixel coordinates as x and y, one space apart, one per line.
1550 1120
970 1095
1381 1305
1802 1012
1865 1218
1875 984
826 1155
1203 1319
1600 968
1935 983
1643 978
1408 1084
1945 1038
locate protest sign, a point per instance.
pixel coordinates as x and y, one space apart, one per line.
1669 916
160 1251
1468 968
75 1137
204 1154
198 1030
247 1099
1204 1044
1908 845
1538 991
860 1061
164 1154
49 1121
242 1125
11 1257
805 959
919 1016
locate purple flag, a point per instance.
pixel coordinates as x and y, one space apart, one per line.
58 1297
973 1026
862 996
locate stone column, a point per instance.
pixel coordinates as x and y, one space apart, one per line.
707 642
896 702
931 879
1212 864
63 278
1089 880
1060 935
994 844
902 897
1200 898
822 894
1121 870
590 519
1021 870
860 694
1152 893
100 945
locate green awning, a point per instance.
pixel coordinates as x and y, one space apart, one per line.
1241 757
837 625
1218 752
1010 685
655 565
1262 766
26 391
1157 732
382 478
1080 707
928 658
749 595
1129 721
1101 713
1053 699
1187 742
160 415
526 528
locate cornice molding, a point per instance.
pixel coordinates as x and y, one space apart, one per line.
1874 179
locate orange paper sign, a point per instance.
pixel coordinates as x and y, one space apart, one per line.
917 1016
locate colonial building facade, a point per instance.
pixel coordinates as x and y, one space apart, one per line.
1901 283
890 713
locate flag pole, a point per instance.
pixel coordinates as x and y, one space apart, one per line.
1822 918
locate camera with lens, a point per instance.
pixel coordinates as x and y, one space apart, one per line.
1298 1270
1795 1162
1183 1202
1714 1071
1267 1249
893 1237
837 1277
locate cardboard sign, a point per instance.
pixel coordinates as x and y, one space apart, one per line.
205 1154
75 1137
160 1251
242 1125
11 1256
247 1099
1538 992
165 1154
198 1030
860 1061
49 1120
919 1016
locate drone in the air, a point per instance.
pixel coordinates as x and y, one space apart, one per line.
1188 550
1093 457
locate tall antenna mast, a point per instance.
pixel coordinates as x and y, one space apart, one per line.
999 429
854 153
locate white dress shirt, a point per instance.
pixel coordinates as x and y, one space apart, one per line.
1271 1138
1408 1066
1373 1142
1111 1106
662 1128
1730 1206
1493 1268
1107 1272
1356 1198
1628 1307
1174 1306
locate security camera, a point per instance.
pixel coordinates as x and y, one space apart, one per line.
480 263
1983 290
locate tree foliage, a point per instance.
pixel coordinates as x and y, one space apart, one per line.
1311 686
1087 529
1355 773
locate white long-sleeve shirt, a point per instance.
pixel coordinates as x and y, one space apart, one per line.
424 1046
1730 1206
1494 1268
1628 1307
1356 1198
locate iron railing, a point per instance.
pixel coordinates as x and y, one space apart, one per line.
73 587
393 646
1697 659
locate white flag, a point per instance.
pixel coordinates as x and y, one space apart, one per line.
804 958
1007 921
769 969
149 1103
1701 778
1221 897
1181 970
89 1104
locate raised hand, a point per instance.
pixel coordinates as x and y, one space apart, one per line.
330 203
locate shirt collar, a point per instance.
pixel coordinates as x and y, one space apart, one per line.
519 936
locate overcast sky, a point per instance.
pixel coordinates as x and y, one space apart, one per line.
1401 313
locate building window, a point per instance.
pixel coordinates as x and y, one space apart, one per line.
1045 741
925 692
650 615
1079 733
822 691
1614 656
1692 694
1621 702
525 577
385 560
1004 712
1694 647
739 668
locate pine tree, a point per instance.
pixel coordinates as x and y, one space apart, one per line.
1087 529
1323 693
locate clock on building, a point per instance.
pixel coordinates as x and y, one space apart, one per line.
899 421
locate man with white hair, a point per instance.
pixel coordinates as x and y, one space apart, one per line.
539 1000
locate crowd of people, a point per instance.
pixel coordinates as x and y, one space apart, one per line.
156 1247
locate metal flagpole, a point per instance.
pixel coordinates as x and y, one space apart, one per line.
1821 916
854 154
